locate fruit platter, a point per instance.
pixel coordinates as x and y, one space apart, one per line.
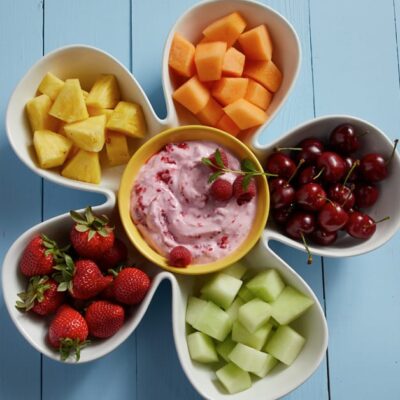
193 199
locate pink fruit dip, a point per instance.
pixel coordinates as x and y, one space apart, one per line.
171 205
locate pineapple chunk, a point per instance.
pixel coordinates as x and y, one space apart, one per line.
69 106
85 94
51 148
37 110
117 148
51 85
93 111
88 134
72 152
84 166
128 118
104 93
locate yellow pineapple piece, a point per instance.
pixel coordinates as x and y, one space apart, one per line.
84 166
104 93
38 114
69 105
128 118
93 111
117 148
51 85
51 148
72 152
88 134
85 94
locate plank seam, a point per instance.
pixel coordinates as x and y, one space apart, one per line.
395 36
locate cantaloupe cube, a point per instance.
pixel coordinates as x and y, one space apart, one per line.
208 58
258 95
84 166
181 56
228 90
256 44
38 114
117 148
226 29
104 93
193 95
233 63
211 113
264 72
226 124
50 85
245 114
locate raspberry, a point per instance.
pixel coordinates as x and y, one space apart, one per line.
221 190
243 196
180 256
224 159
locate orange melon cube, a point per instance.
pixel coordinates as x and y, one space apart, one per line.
208 58
256 44
233 63
181 56
258 95
228 90
193 95
226 29
227 125
264 72
245 114
211 113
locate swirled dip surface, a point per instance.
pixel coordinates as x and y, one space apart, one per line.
171 206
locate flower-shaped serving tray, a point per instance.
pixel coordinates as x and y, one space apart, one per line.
87 63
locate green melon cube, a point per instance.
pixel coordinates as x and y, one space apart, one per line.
193 308
225 347
285 344
237 270
201 348
221 289
233 378
267 285
254 314
248 359
256 339
234 308
268 366
245 294
213 322
290 305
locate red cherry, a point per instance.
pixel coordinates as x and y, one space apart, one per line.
349 164
333 166
307 175
281 165
360 225
281 215
342 195
332 217
366 195
344 140
300 223
311 197
311 149
274 183
373 167
282 196
323 237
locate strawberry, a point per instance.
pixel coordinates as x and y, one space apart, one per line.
40 256
41 296
244 191
221 190
180 256
108 292
91 236
104 318
114 256
131 285
68 332
220 159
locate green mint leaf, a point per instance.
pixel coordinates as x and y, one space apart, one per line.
247 165
218 159
246 181
214 176
207 161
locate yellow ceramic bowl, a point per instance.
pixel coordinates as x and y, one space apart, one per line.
185 134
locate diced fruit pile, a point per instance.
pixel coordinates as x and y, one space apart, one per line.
329 187
71 126
228 79
244 322
88 286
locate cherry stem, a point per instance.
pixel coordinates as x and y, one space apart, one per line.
319 174
348 195
382 220
362 134
288 148
351 170
301 162
309 255
393 150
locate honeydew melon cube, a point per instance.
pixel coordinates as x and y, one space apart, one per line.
248 359
254 314
268 366
237 270
233 378
234 308
201 348
213 321
221 289
194 306
245 294
267 285
256 339
225 347
290 305
285 344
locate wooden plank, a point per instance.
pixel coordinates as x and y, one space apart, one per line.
356 72
98 23
20 46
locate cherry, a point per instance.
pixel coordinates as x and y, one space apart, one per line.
310 149
276 183
307 175
281 215
282 196
333 166
366 195
311 196
344 140
323 237
361 226
349 164
281 165
332 217
342 195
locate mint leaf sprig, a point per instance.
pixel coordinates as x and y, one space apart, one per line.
247 169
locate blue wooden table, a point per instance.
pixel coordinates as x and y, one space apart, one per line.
350 65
